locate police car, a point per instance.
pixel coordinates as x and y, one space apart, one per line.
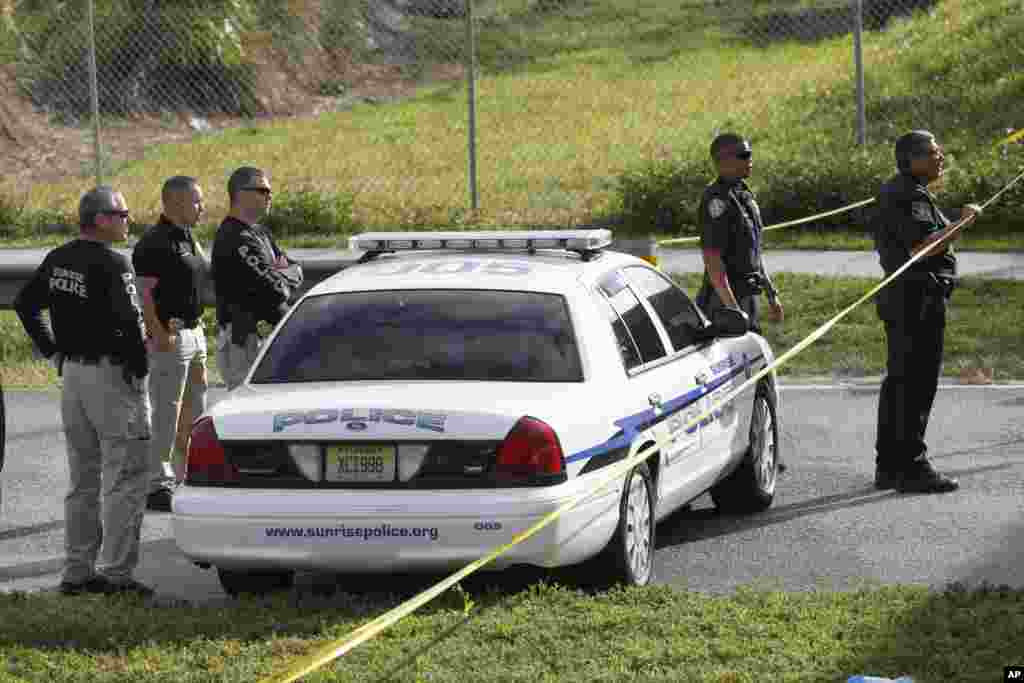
421 407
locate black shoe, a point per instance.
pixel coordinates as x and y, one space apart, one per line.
887 479
922 478
96 585
160 500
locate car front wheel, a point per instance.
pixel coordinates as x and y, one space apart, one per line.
255 582
751 487
631 550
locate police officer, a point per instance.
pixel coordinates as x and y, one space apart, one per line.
96 339
172 270
730 237
913 309
254 280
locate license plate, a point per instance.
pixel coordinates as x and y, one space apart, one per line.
355 463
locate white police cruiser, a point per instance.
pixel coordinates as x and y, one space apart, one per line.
419 408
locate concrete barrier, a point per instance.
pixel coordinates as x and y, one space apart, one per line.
14 273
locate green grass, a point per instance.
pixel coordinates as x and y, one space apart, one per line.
983 331
604 109
540 632
983 327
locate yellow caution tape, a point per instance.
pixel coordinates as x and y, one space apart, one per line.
1015 137
787 224
613 472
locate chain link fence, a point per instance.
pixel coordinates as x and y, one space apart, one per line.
188 63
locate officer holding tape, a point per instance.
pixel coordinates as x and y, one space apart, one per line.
730 236
96 338
254 279
913 309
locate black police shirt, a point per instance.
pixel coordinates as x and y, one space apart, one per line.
906 215
730 221
167 252
251 272
89 290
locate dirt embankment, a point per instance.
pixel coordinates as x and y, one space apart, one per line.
34 148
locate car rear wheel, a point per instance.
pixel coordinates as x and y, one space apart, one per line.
255 582
751 487
631 550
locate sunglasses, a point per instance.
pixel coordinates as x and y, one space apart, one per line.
265 191
746 154
117 212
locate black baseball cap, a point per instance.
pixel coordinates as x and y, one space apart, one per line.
739 144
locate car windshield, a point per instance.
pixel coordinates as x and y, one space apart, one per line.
425 334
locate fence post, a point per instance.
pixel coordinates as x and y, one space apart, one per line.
471 78
858 56
95 95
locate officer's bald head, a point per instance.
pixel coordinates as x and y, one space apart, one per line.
176 186
94 202
912 145
246 176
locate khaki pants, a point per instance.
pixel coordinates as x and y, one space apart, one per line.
235 361
107 427
177 392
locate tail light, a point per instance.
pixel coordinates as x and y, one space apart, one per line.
530 451
207 459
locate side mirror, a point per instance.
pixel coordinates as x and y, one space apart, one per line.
729 322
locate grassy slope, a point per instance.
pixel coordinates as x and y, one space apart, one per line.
564 112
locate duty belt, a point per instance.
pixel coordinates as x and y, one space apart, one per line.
91 360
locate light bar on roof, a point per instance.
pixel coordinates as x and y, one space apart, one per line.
482 240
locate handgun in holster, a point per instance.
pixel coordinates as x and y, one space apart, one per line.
243 323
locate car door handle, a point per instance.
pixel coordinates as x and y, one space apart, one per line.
654 400
701 378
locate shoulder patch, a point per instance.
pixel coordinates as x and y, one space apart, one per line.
716 207
921 211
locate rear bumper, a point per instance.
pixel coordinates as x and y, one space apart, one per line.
380 531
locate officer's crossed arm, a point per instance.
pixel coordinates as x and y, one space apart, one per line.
271 286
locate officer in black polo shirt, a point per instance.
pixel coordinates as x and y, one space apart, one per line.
730 237
253 278
96 338
913 308
172 270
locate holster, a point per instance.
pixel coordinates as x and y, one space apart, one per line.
748 284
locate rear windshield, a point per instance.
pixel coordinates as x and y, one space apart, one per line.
432 334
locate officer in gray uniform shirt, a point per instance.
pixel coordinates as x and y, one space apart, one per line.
96 339
254 279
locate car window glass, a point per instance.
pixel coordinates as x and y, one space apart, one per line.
675 310
425 334
627 347
637 320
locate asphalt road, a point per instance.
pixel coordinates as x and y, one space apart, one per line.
827 529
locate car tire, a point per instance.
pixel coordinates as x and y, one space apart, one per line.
255 582
751 486
630 553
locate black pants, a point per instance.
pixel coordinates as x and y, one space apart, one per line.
708 300
914 343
